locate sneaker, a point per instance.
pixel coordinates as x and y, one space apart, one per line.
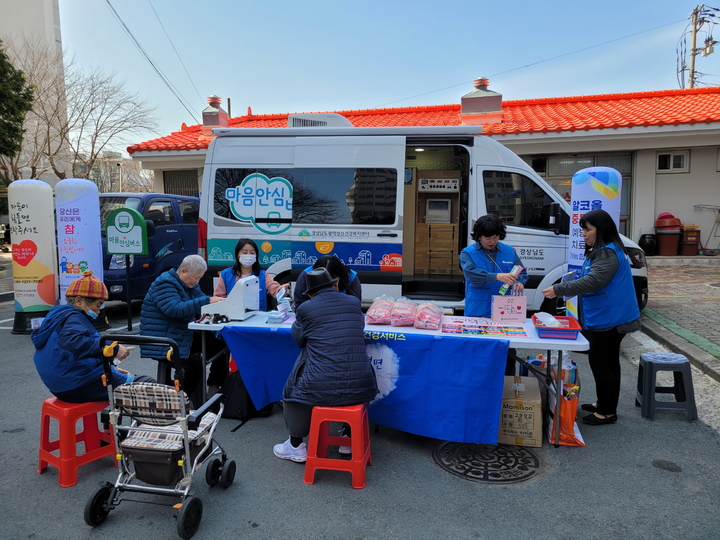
287 451
345 449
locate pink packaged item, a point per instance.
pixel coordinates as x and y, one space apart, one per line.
403 313
428 316
379 311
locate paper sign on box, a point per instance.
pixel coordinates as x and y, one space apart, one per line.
509 309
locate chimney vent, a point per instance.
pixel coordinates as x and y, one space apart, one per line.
481 106
213 115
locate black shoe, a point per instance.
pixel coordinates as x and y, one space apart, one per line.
596 421
589 407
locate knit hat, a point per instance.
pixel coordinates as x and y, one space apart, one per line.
87 286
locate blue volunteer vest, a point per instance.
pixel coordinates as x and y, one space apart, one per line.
229 278
615 303
478 298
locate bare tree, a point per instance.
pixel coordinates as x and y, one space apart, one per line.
112 173
77 115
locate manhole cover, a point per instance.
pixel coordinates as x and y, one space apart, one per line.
502 464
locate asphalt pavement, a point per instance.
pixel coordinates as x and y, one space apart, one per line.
636 479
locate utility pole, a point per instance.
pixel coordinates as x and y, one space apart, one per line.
694 22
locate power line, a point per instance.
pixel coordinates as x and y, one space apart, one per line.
176 52
157 70
536 63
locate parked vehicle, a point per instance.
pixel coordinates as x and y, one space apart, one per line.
395 204
172 235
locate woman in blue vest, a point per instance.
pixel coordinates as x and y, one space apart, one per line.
486 265
348 281
607 308
246 264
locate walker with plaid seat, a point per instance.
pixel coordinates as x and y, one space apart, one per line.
165 444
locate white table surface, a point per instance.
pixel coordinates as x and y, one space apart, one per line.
530 342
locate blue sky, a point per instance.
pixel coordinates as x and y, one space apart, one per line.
280 56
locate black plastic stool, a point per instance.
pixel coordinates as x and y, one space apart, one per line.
682 389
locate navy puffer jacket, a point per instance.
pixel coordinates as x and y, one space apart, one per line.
332 368
166 311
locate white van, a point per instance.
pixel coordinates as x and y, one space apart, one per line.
395 204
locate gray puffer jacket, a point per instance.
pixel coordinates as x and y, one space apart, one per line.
332 369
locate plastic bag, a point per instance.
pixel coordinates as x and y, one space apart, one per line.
428 316
379 311
403 312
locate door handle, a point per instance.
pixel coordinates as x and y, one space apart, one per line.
387 234
180 244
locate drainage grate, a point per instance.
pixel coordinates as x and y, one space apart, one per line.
502 464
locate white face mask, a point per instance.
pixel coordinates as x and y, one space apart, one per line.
247 260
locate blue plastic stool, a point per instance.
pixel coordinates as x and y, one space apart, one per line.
682 389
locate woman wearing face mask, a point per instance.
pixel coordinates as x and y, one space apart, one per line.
246 265
68 355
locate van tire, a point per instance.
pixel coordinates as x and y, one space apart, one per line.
553 306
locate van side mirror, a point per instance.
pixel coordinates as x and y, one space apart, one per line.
150 225
554 217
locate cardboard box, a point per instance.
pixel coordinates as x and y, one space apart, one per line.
521 416
509 309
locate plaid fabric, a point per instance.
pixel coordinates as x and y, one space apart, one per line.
150 403
168 438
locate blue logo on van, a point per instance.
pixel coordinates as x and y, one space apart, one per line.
265 202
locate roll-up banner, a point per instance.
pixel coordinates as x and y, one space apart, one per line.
34 258
77 206
592 188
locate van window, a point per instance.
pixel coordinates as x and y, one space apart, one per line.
516 199
319 195
189 210
160 213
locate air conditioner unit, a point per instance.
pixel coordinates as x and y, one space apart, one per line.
318 120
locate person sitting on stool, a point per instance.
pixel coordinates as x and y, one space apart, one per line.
332 369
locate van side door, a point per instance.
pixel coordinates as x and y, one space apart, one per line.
167 244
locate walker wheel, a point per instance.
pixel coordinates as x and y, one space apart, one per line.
188 519
96 509
228 474
212 472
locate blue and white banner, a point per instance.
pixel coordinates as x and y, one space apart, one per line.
77 210
445 387
593 188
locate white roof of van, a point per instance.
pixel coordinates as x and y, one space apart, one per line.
349 131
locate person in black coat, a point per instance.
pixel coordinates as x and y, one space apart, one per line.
332 369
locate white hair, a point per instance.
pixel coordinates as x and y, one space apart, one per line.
193 264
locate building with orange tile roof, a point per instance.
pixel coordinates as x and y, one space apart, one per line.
665 143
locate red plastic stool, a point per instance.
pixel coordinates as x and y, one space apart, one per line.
319 440
67 415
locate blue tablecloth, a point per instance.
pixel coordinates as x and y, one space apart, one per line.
441 386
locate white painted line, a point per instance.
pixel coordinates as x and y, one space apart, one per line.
7 320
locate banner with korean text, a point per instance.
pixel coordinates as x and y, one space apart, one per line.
77 209
592 189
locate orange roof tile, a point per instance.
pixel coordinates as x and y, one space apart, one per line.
579 113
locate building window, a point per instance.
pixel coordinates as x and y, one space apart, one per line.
673 162
181 183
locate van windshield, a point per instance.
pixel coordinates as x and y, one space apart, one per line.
108 204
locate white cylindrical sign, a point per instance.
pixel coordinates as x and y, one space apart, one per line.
32 233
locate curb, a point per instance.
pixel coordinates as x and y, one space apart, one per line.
702 360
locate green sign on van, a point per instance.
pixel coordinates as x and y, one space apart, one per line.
126 232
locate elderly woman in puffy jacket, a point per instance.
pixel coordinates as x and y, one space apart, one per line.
332 369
